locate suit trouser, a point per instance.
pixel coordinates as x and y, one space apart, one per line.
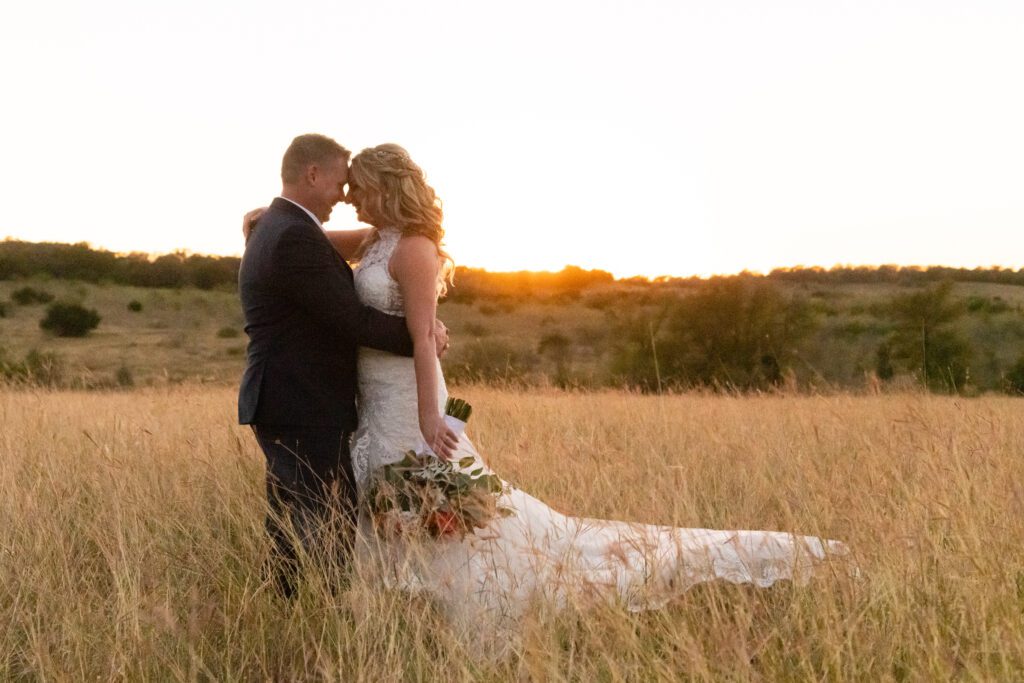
312 497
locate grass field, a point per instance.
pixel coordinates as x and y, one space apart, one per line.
131 536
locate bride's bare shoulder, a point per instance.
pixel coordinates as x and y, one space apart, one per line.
413 254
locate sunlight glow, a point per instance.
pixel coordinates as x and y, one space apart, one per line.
636 137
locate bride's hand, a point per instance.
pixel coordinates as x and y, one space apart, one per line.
441 439
250 219
440 338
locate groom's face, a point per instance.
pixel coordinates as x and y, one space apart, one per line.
329 186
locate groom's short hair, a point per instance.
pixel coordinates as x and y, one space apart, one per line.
307 150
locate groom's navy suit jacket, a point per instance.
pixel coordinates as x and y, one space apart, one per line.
305 324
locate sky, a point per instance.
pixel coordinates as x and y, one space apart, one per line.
638 137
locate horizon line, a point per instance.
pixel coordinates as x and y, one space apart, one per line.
652 278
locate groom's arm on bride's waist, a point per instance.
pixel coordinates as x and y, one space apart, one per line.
310 273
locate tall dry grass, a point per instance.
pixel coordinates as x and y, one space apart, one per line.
131 537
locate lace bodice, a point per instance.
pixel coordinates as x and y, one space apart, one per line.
374 283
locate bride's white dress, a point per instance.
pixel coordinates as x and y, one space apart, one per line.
486 580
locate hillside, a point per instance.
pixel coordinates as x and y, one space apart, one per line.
596 335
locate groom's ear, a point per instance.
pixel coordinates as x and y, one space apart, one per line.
312 172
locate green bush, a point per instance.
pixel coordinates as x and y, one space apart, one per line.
135 306
496 306
227 333
38 367
26 296
1015 378
69 320
883 362
558 348
925 340
489 360
730 333
3 310
124 377
987 306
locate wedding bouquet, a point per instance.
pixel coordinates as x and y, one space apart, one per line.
456 414
423 493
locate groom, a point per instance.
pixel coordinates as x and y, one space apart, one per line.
305 324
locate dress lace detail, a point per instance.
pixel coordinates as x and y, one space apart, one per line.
485 581
374 283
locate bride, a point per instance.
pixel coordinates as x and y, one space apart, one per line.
485 580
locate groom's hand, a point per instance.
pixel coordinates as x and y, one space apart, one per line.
440 338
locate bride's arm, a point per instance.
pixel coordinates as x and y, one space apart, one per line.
414 266
346 242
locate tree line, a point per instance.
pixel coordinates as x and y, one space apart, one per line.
19 259
81 262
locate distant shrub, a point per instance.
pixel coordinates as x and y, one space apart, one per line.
38 367
1015 378
3 310
235 351
554 344
26 296
44 367
69 320
593 337
498 305
926 341
459 295
476 329
826 309
883 362
227 333
124 377
731 333
603 301
878 309
852 329
984 305
135 306
558 348
489 360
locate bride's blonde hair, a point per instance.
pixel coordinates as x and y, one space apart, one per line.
397 195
